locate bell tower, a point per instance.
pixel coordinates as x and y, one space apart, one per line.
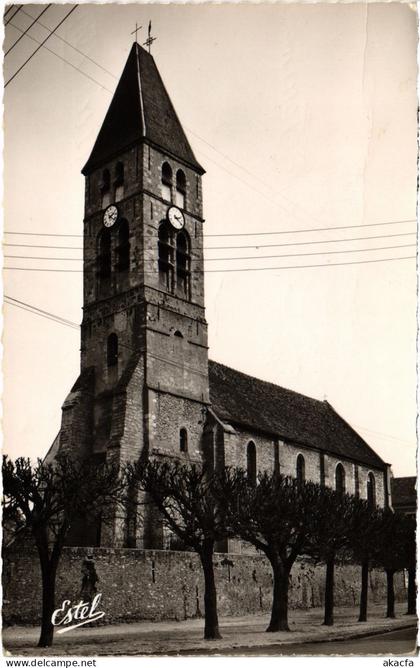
143 388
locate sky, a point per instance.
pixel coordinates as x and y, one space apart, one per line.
304 117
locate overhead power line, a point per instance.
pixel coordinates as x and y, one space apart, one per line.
27 30
18 301
247 257
245 269
46 315
12 17
252 234
311 229
34 310
41 44
64 60
72 46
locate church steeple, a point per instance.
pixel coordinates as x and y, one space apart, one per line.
141 110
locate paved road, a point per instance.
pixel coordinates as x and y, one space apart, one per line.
397 643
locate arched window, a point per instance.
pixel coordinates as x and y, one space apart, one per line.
106 189
122 251
112 350
371 490
340 479
119 181
183 264
300 469
167 181
251 462
103 268
181 189
183 440
166 256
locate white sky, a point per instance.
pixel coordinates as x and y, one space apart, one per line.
310 111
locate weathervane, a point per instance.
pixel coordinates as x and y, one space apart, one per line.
136 30
149 41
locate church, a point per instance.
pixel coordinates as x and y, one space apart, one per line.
146 385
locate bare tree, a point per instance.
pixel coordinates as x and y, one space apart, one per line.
52 498
185 497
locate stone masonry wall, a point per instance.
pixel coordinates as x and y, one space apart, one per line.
155 585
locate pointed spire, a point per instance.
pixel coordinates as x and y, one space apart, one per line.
141 110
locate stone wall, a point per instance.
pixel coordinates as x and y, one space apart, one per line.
155 585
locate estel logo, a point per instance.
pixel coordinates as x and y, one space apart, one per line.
82 613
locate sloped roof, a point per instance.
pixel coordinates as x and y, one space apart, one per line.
140 110
403 491
243 400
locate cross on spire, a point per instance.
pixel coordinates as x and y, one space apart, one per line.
149 41
136 30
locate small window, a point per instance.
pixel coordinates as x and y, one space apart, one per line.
340 479
251 462
181 189
371 490
123 249
119 181
112 350
166 256
183 440
183 264
106 189
300 469
167 182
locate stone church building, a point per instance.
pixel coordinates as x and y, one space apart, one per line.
146 384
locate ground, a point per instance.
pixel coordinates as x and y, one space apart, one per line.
241 635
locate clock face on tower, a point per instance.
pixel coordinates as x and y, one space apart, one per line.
110 215
176 217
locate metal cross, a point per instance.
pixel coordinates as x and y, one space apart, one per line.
136 30
149 41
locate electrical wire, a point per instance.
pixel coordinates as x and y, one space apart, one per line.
27 30
64 60
247 257
245 269
73 47
12 17
41 44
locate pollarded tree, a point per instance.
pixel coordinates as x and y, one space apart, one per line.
276 515
330 539
365 538
51 498
392 552
185 498
410 565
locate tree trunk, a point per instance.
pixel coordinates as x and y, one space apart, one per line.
364 592
279 610
329 593
211 621
390 596
411 592
48 603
